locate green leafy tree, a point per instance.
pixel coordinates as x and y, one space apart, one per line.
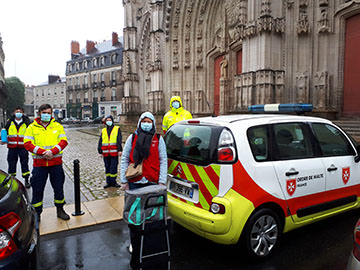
16 94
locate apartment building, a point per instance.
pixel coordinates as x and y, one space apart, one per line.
94 83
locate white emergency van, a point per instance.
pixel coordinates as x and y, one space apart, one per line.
249 178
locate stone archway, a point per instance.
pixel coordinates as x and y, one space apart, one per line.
351 66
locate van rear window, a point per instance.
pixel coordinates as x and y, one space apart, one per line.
192 143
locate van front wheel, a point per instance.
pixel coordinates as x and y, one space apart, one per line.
262 233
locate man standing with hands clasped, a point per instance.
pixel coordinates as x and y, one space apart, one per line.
46 139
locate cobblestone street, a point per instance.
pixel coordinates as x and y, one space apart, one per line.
83 146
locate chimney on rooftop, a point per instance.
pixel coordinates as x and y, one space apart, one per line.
75 47
115 38
90 45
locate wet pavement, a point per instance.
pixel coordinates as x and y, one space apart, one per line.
323 245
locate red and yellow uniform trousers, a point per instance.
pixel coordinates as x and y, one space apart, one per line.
17 151
110 153
37 140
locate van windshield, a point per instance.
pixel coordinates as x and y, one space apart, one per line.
192 143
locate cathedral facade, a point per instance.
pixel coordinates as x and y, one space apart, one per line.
222 55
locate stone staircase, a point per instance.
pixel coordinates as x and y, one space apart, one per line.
351 126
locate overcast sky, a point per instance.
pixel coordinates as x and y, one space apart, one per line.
37 34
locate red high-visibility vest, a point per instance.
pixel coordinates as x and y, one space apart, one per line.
151 165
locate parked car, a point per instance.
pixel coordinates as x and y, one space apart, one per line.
354 259
249 178
19 230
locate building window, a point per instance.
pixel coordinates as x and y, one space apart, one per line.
113 94
113 75
70 82
85 64
77 66
102 96
102 75
86 96
70 68
102 60
113 58
42 92
95 77
94 62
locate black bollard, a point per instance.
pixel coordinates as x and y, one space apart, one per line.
78 211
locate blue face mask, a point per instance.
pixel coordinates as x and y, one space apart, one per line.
109 123
176 104
18 115
45 117
146 126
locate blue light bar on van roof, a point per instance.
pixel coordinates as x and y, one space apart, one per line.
290 107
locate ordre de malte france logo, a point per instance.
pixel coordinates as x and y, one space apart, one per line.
345 174
291 186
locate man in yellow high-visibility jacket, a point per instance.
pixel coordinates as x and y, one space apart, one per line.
46 139
16 127
177 113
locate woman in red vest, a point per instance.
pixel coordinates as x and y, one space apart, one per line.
145 146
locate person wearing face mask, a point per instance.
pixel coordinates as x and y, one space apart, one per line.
46 139
177 113
16 127
146 147
110 148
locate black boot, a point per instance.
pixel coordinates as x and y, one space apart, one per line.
61 213
27 184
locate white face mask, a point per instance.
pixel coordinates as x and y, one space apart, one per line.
176 104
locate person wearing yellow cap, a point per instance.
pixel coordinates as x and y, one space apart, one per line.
175 114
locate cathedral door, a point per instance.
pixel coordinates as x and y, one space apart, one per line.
352 66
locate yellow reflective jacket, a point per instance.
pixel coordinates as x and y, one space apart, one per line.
39 139
109 143
175 115
15 136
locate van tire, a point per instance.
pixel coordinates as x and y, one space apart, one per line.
261 234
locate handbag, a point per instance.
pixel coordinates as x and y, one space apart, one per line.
132 171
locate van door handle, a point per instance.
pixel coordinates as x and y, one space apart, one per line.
331 169
291 173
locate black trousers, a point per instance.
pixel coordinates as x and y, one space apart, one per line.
13 155
38 182
111 168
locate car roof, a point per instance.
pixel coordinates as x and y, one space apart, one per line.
256 118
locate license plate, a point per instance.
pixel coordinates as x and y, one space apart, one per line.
181 189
